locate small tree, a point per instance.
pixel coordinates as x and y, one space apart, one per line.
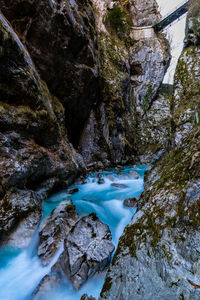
118 19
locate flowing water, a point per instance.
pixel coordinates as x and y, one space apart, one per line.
21 270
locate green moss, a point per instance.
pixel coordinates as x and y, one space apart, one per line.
107 285
147 97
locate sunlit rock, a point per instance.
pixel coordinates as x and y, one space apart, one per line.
54 229
87 249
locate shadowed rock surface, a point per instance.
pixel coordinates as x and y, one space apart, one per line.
34 150
61 39
87 250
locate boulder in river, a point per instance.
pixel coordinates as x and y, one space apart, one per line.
130 202
134 174
48 282
87 249
101 181
54 229
119 185
73 191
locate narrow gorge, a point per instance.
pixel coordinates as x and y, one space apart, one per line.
99 160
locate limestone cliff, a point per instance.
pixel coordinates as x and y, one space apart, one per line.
131 73
158 253
105 80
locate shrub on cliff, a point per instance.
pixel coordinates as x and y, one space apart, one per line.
118 19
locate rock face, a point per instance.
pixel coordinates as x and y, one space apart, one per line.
132 72
105 81
154 131
144 13
130 202
54 229
186 102
87 249
34 150
22 208
186 113
158 254
60 37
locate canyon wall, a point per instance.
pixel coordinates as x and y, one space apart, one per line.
72 78
158 253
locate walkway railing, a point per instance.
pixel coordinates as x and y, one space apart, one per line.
180 10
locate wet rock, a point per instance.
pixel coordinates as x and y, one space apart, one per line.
130 202
87 249
119 185
22 235
158 253
81 180
73 191
23 208
66 55
54 229
110 177
134 174
101 181
122 176
86 297
46 285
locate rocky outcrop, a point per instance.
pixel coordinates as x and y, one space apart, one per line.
118 77
87 249
60 37
20 212
144 13
54 229
34 150
131 71
154 132
158 253
186 102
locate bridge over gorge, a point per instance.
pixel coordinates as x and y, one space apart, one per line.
149 30
172 16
